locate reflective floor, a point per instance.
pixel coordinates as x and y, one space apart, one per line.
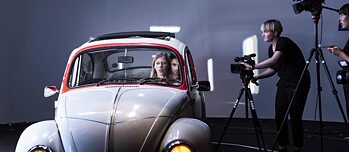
240 136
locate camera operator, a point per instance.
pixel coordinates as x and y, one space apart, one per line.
285 59
343 53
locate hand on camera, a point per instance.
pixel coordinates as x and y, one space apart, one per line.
254 80
248 67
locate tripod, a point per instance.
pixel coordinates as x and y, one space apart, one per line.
318 56
246 78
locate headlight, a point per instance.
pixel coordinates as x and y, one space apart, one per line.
40 148
179 146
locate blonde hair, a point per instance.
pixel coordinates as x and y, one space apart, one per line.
272 25
153 73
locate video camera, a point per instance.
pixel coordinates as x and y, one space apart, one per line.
342 76
307 5
240 68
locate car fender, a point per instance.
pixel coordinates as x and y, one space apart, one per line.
44 133
192 132
200 110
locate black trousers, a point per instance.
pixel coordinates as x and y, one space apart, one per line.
285 91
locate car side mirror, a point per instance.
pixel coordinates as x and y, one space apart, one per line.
50 91
204 86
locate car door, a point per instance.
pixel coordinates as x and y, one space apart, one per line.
196 97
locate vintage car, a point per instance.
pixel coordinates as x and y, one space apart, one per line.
110 100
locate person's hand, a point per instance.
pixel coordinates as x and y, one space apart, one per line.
335 50
248 67
254 80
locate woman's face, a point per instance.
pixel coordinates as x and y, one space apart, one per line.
268 36
174 65
161 67
344 20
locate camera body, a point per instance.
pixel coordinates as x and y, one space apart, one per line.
307 5
240 68
342 76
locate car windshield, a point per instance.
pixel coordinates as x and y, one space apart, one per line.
125 65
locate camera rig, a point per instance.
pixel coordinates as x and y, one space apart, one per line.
342 76
313 6
245 75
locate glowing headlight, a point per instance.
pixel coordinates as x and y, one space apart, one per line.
40 148
179 146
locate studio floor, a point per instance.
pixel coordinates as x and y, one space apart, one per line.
240 135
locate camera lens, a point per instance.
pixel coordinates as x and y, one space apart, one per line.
339 78
342 76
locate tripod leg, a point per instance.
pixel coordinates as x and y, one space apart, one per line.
258 128
246 105
319 89
231 115
334 91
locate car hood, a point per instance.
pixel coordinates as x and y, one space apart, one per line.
120 118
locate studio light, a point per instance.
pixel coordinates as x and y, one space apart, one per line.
170 29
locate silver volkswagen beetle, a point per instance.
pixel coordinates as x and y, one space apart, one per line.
125 92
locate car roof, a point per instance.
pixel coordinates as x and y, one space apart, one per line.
148 34
141 38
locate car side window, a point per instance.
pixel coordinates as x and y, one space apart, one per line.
190 67
82 70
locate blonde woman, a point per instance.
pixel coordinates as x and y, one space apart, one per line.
287 60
